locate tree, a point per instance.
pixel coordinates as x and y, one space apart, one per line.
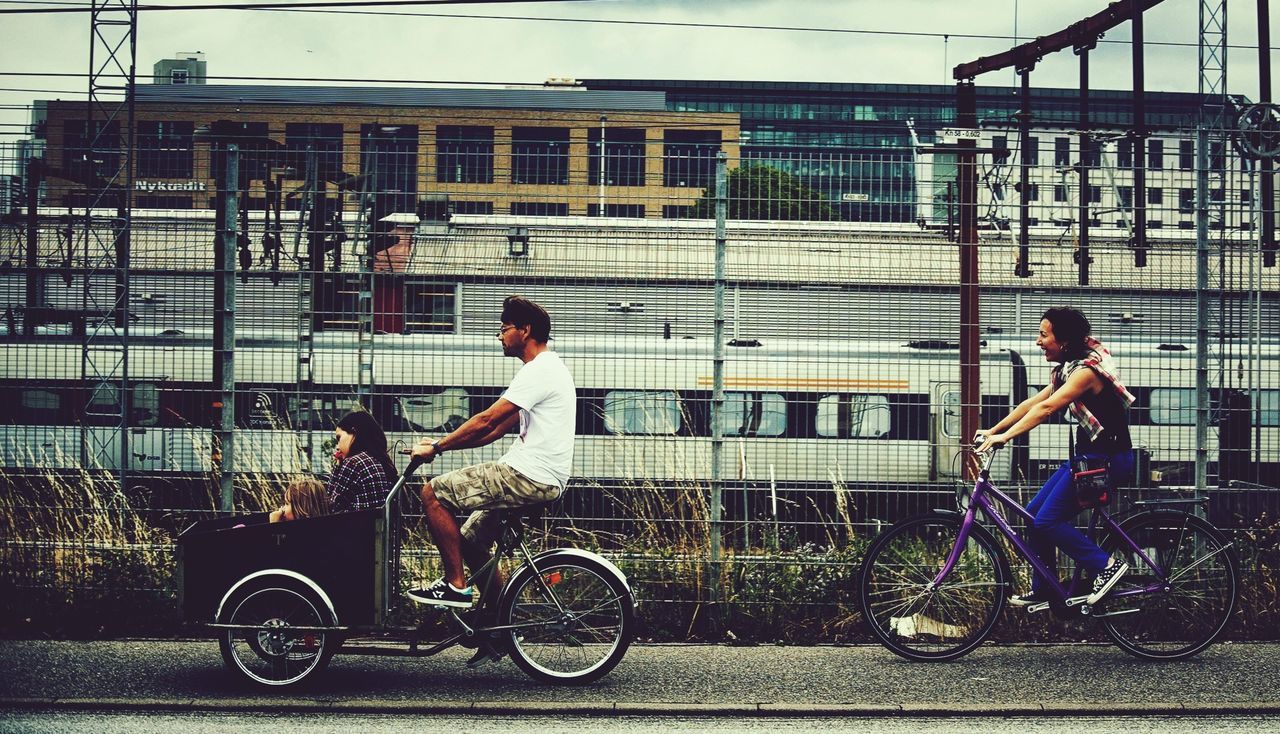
757 191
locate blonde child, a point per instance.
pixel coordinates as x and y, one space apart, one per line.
303 498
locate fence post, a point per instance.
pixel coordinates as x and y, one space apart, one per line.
717 374
1202 306
224 326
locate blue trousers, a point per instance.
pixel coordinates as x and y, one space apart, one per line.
1054 508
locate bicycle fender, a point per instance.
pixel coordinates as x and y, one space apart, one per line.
587 555
283 572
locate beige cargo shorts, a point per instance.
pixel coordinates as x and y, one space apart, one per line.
483 488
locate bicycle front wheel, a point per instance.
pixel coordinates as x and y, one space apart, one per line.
916 618
1193 590
571 620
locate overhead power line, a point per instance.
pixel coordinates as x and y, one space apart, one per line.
336 7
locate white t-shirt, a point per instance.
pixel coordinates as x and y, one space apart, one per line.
548 400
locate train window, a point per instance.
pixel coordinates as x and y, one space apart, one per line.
853 416
1173 406
753 414
441 411
146 404
41 406
655 412
104 400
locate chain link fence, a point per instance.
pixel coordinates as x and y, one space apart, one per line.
765 340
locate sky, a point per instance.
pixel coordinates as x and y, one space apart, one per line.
401 45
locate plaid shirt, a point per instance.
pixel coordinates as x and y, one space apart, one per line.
359 483
1100 361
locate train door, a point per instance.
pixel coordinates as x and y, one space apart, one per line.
944 431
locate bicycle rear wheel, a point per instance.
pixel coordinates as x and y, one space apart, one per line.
1200 586
572 620
908 613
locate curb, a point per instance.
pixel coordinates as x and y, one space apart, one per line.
647 709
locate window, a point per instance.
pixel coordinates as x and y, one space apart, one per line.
257 150
437 412
1217 156
676 211
634 211
1155 196
337 301
430 307
1062 151
1090 154
1215 196
178 76
1246 196
389 156
145 405
623 156
89 153
1187 155
999 149
1095 194
464 154
164 149
1125 196
1033 192
853 416
472 207
1032 154
40 407
1186 200
689 157
1173 406
653 412
315 143
1269 405
1060 192
1124 153
539 209
1155 154
540 155
753 414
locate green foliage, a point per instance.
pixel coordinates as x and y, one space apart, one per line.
757 191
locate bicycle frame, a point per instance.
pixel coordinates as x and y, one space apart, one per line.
979 501
508 541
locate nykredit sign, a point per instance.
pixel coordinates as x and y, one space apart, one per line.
151 186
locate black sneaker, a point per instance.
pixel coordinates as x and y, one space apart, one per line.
1026 600
441 593
1106 579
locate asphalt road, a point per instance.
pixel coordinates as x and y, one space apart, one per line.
661 679
219 722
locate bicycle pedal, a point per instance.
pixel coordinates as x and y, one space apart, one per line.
1038 607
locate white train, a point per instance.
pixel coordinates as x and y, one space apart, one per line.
874 415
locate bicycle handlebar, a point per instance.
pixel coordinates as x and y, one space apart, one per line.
414 463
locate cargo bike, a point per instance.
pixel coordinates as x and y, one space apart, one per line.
282 598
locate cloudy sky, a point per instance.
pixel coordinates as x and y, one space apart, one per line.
425 45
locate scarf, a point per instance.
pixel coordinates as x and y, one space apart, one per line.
1100 361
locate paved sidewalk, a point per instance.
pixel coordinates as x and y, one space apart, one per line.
661 679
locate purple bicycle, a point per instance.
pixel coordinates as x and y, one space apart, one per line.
933 586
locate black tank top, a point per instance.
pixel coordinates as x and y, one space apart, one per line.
1111 412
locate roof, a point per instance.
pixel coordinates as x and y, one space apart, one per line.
558 99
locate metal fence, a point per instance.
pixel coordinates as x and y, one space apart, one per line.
766 343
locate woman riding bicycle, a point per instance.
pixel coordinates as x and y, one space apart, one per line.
1086 380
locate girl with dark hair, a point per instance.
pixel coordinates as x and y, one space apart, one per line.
365 473
1085 380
